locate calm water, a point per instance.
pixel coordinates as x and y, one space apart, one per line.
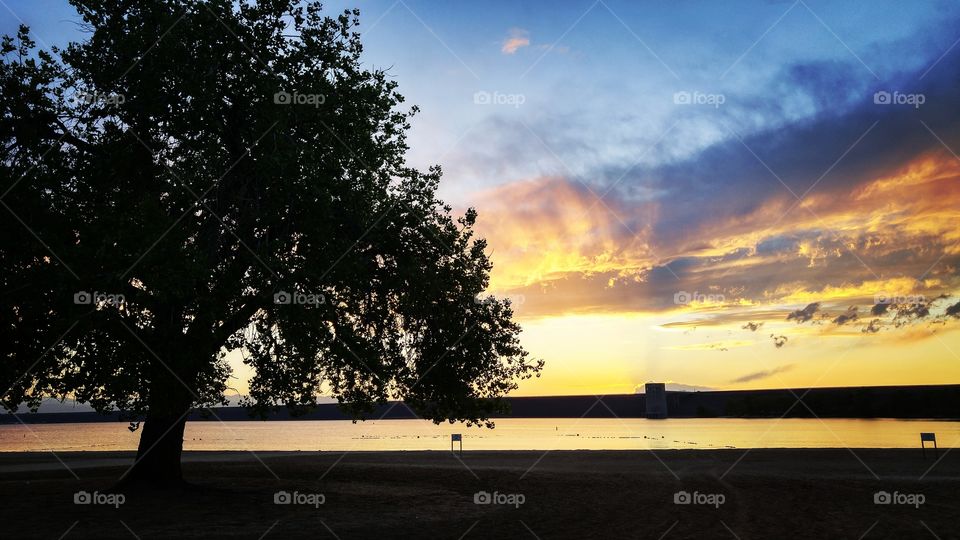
510 434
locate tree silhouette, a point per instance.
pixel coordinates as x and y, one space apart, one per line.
201 177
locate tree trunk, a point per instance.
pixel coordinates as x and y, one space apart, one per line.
158 456
161 440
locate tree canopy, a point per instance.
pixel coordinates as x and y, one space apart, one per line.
199 177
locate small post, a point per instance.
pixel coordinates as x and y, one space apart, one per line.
929 437
456 437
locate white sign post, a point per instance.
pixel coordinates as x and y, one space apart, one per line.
456 437
928 437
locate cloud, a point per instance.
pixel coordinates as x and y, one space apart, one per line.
549 229
517 39
805 314
552 235
606 237
779 341
723 345
758 375
844 318
752 326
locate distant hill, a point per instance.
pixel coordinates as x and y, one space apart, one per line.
934 401
53 405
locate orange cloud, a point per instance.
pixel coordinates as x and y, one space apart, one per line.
543 229
554 242
517 39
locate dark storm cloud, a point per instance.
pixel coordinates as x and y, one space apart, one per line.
732 178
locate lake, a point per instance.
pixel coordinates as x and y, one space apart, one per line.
509 434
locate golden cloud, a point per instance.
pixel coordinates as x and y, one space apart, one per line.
517 39
895 234
544 229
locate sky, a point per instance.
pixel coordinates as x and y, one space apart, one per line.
723 195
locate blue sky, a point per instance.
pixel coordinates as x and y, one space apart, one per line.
597 78
609 80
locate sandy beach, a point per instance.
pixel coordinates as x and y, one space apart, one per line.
558 494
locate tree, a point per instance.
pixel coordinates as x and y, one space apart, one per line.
202 177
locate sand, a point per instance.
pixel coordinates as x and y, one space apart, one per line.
560 494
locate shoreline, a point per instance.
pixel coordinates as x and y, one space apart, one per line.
16 462
918 402
360 421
